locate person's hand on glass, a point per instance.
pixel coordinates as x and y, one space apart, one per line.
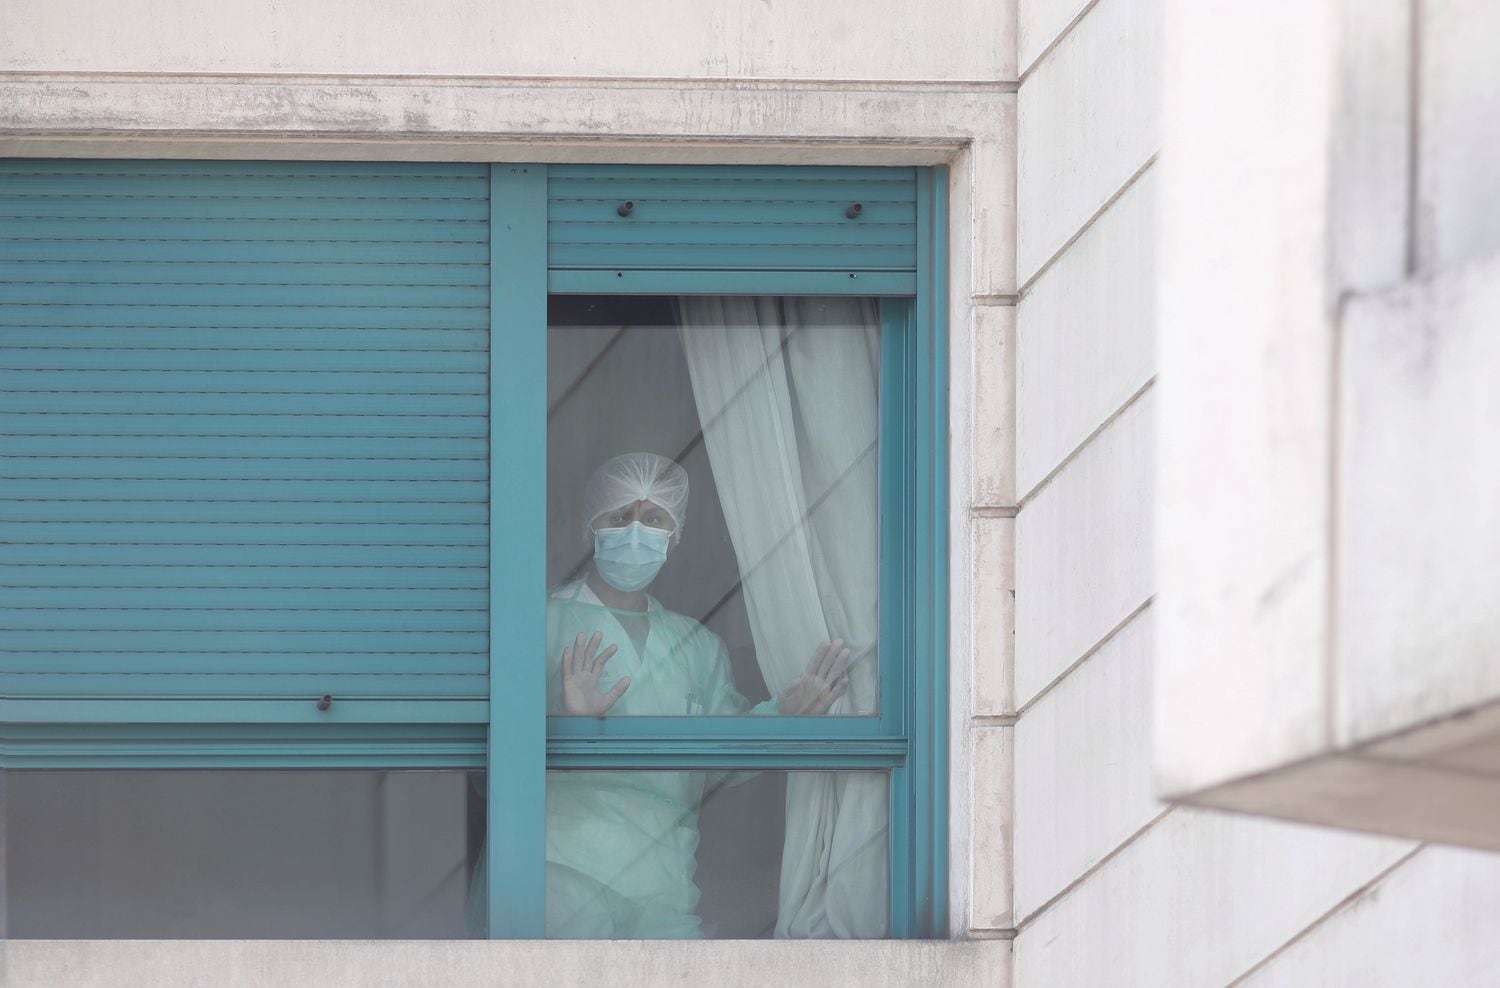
581 669
826 679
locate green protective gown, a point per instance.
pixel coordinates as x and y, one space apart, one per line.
621 846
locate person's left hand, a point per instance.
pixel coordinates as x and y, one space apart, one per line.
826 679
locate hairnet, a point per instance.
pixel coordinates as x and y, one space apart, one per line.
633 477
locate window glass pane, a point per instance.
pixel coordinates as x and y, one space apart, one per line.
713 505
669 855
238 855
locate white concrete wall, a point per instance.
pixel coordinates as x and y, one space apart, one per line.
1458 126
1437 910
1113 887
1330 252
1418 619
1245 339
1418 600
949 41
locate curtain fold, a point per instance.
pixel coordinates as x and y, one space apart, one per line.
787 391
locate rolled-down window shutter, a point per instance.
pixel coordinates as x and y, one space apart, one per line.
720 229
243 441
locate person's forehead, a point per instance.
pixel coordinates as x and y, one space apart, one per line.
645 504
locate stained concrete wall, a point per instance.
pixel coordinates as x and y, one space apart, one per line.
1112 886
953 41
1330 281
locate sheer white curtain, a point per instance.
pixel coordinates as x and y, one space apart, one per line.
787 390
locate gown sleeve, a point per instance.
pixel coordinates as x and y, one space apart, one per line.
553 659
722 699
719 697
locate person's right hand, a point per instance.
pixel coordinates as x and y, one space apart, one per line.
826 679
581 670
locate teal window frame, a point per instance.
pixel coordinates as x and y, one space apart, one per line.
509 735
908 737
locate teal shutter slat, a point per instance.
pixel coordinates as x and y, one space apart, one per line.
248 229
274 685
307 341
200 577
345 513
270 206
241 252
262 185
730 219
290 708
242 272
154 642
244 452
249 554
327 295
220 489
242 406
192 354
280 424
247 170
259 447
236 598
89 469
730 282
118 380
267 313
655 256
296 532
753 221
267 663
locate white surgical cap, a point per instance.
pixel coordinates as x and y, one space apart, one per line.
633 477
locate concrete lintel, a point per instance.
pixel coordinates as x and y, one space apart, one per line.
486 119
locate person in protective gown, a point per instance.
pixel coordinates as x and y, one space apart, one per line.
621 845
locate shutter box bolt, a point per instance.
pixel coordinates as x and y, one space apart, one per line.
853 211
325 701
625 208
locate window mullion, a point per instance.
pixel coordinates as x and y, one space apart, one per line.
516 793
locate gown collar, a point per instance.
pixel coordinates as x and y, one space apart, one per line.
580 591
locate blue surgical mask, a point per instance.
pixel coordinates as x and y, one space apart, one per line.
629 558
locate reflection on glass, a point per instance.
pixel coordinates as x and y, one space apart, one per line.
625 858
756 418
237 854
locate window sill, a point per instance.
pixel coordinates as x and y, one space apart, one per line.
824 963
